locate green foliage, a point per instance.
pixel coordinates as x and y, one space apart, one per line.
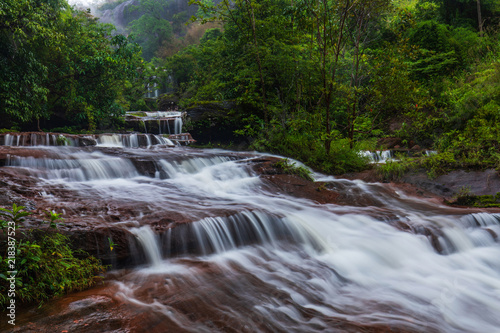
16 214
112 244
309 149
438 164
435 165
395 170
310 80
151 31
60 62
62 140
211 34
472 133
53 218
465 197
46 264
464 12
25 25
290 168
65 129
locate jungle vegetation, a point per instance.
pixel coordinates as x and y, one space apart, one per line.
313 80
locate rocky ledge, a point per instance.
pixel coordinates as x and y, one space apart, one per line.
444 188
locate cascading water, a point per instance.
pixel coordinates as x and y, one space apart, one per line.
379 156
133 140
178 125
149 242
159 122
225 251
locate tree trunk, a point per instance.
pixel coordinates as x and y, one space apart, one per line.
257 55
328 89
479 19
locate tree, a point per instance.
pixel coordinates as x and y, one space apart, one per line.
88 70
362 27
60 62
151 30
330 18
24 25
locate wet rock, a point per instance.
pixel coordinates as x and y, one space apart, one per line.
216 122
98 243
388 143
476 182
492 233
168 102
85 142
279 182
85 312
369 176
300 188
163 303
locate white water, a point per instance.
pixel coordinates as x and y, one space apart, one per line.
164 114
149 242
103 140
379 156
76 166
131 140
178 126
261 261
37 139
164 122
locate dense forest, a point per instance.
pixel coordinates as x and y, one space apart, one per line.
314 80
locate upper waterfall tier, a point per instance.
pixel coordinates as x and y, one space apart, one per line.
157 122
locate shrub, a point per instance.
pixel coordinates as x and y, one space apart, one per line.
309 149
289 168
46 264
466 198
394 170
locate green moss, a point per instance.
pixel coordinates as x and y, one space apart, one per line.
465 198
289 168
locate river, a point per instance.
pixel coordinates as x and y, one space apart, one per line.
218 249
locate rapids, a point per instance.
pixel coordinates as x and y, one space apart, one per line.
218 249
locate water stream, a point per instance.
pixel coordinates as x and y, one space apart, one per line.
252 259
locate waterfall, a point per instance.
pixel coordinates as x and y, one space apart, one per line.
148 139
133 141
222 247
9 140
168 126
38 139
164 141
190 166
378 156
149 242
178 126
110 140
221 234
159 122
76 167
